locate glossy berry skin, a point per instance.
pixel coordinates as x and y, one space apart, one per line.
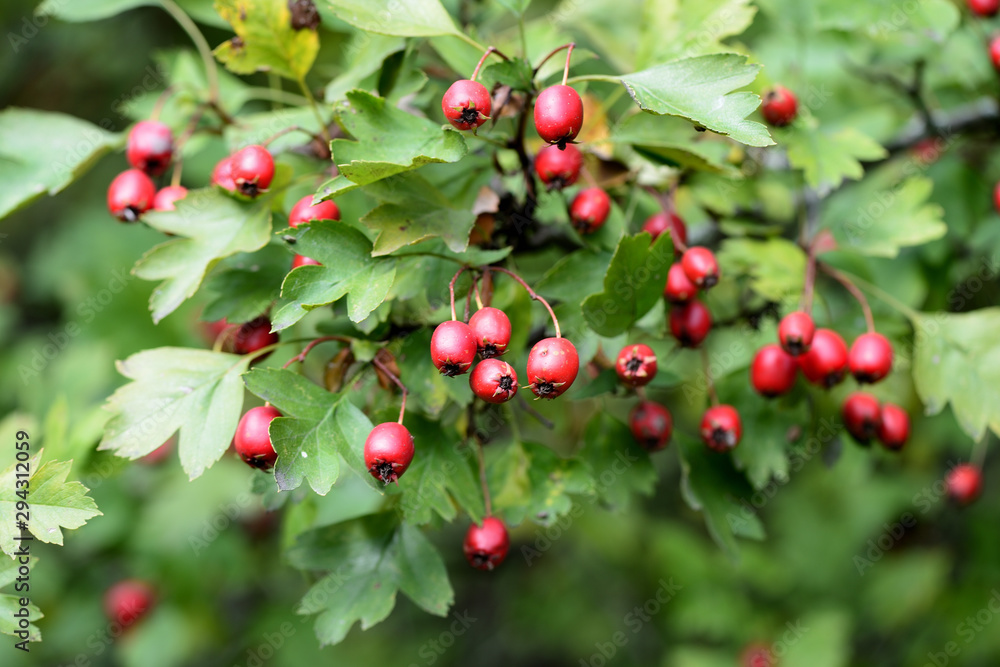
222 175
166 198
636 365
128 601
453 348
486 546
679 288
150 147
690 323
773 371
796 332
862 416
984 8
552 367
304 211
652 425
663 222
252 336
302 260
780 107
995 52
870 357
130 195
721 428
558 168
494 381
894 426
491 327
252 170
996 197
388 451
700 267
466 104
558 115
964 483
825 364
252 441
757 655
589 210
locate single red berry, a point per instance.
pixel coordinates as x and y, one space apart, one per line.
166 198
467 104
984 8
491 327
589 210
212 330
928 150
796 332
862 416
494 381
700 267
690 323
679 288
252 170
453 347
159 454
558 168
964 483
773 371
222 175
252 440
130 195
150 147
552 367
996 197
721 428
779 107
301 260
388 451
636 365
995 52
663 222
252 336
870 357
758 655
304 211
558 115
651 425
128 601
894 426
486 546
825 364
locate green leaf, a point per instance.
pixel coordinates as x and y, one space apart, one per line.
216 226
776 267
700 89
516 6
366 53
575 277
89 10
690 28
369 559
196 391
11 603
633 284
348 269
412 18
536 483
673 142
516 73
248 286
387 140
267 41
826 158
618 465
822 638
43 152
53 503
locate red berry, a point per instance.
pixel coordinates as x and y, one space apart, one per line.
995 52
679 288
636 365
663 222
985 8
964 482
212 330
589 210
928 150
252 336
651 425
779 107
558 168
494 381
758 655
486 546
252 170
466 104
552 367
128 601
304 211
690 323
825 364
870 357
159 454
558 115
388 451
491 327
894 426
453 347
252 441
222 175
130 195
862 416
700 267
301 260
721 429
150 147
996 197
773 371
796 333
166 198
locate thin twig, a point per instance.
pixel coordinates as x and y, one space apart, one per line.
301 356
855 292
402 388
534 413
451 291
533 295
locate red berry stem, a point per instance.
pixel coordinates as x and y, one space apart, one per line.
489 50
167 93
204 50
569 52
547 423
667 204
468 298
301 356
392 376
533 295
287 130
552 53
479 298
451 291
708 378
855 292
